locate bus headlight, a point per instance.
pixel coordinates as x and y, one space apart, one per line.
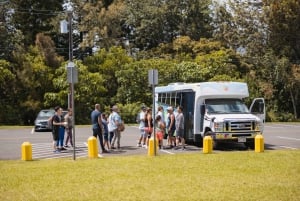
259 125
218 126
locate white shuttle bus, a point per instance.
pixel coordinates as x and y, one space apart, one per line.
216 109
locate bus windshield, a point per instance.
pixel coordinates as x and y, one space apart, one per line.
225 106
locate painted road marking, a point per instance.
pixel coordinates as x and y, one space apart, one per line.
288 147
288 138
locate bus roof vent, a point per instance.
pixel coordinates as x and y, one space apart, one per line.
176 83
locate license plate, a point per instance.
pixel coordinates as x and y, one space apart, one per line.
241 139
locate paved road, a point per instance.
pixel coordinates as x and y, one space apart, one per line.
276 136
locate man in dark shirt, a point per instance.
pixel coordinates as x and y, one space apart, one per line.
58 129
97 126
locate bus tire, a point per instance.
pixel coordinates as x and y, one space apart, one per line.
198 141
250 144
214 142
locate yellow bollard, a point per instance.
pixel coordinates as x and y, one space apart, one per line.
26 151
207 145
259 143
151 151
92 147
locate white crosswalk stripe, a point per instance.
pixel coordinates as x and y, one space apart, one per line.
45 151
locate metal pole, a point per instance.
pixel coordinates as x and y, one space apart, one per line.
70 55
73 122
153 111
71 85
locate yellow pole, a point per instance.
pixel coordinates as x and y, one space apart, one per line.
151 151
207 145
92 147
259 143
26 151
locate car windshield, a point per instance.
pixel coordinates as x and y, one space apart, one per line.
46 113
225 106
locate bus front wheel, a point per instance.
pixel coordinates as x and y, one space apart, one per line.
250 144
214 142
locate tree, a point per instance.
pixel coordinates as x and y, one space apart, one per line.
7 93
107 63
283 18
156 22
240 26
100 23
88 91
10 38
133 80
33 16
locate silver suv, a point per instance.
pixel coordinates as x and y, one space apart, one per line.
41 121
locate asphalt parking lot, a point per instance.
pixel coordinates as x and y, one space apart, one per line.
276 136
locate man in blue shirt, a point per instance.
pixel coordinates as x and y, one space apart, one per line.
97 126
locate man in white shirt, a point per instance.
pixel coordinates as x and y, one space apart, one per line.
141 121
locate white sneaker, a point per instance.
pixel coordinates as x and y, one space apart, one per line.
139 145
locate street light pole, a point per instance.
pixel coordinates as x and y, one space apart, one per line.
70 14
72 73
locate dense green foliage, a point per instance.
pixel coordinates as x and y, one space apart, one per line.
116 42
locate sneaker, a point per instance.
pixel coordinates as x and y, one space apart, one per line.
105 151
56 151
144 146
63 148
139 145
66 146
112 147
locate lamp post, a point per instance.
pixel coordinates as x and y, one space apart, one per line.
72 73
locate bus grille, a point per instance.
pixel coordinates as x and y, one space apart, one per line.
240 126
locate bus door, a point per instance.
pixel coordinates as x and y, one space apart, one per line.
258 108
188 100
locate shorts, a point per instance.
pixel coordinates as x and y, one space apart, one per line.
55 134
171 133
148 130
143 133
180 133
159 135
105 136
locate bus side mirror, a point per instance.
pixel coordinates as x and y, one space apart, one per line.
202 110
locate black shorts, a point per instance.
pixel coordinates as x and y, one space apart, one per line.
105 136
55 134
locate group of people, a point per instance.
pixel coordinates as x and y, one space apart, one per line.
172 128
108 128
60 125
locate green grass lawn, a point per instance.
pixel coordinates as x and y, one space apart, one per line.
245 175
